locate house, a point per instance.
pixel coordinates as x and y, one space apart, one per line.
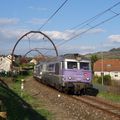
108 67
34 61
5 63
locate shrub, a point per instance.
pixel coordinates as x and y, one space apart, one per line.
99 80
106 80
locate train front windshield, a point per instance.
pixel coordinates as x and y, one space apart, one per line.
85 65
71 65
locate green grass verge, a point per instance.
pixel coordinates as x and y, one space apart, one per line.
38 105
22 108
110 96
35 103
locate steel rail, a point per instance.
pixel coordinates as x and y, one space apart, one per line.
108 109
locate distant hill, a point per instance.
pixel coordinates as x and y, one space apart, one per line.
111 54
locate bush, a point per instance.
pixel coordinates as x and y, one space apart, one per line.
99 80
106 80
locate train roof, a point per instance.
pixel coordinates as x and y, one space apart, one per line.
66 57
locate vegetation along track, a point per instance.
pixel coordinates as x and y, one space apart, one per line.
99 104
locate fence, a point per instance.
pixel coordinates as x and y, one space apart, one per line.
111 89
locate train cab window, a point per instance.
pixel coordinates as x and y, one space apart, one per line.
63 65
71 65
84 65
51 67
57 66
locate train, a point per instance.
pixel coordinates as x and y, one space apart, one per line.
69 75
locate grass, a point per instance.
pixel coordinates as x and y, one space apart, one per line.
110 96
25 107
38 105
16 110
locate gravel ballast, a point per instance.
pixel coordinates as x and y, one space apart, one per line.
62 106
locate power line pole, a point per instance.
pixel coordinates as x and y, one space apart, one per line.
102 70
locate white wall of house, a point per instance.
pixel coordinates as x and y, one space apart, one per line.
115 75
5 63
33 61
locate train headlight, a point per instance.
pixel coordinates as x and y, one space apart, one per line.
69 78
63 78
87 79
40 73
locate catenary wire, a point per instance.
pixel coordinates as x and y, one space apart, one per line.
96 16
104 21
53 15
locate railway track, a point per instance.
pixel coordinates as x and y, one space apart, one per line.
99 104
95 102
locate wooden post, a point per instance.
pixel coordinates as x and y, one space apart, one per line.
22 86
3 114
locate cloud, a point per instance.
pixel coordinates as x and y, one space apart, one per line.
37 21
8 21
82 49
8 37
54 35
88 48
96 31
114 38
37 8
70 34
11 33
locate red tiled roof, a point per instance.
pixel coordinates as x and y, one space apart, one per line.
107 65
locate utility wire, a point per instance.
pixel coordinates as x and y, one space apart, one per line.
87 22
96 16
92 27
53 15
89 29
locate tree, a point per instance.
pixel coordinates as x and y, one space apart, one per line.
93 58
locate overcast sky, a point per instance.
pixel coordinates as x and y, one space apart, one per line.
20 16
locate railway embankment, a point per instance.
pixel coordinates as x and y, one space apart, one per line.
15 107
62 106
47 103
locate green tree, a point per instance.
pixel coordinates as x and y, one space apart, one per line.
106 80
93 58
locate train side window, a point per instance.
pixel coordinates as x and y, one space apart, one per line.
57 66
51 67
63 65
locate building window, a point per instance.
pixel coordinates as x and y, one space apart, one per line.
116 74
102 73
109 65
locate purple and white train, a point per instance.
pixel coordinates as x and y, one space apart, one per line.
65 74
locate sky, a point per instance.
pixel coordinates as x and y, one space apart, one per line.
18 17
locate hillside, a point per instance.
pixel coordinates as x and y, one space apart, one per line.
111 54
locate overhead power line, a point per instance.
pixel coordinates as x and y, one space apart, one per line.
53 15
96 16
91 20
49 19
